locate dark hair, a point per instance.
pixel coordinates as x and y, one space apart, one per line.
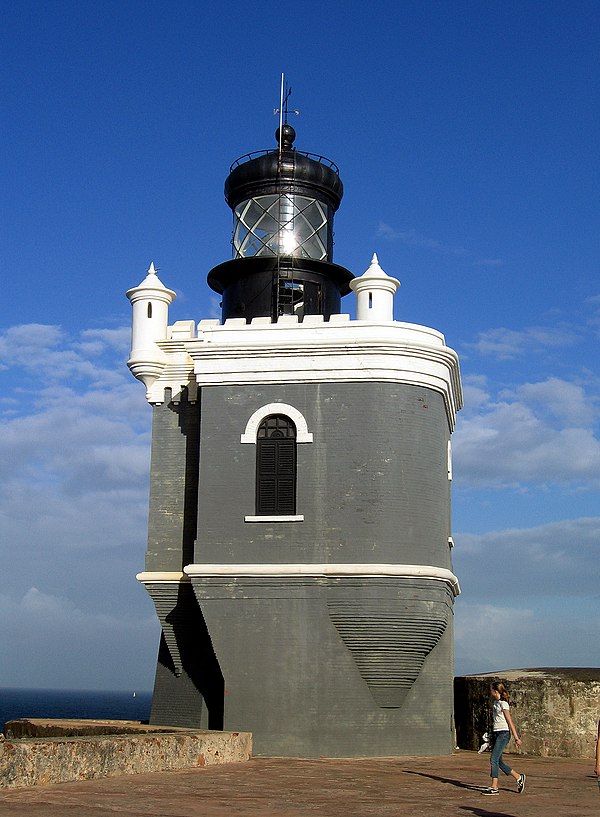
499 687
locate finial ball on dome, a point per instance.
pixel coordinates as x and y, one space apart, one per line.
288 135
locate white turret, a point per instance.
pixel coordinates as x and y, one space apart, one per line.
150 301
374 291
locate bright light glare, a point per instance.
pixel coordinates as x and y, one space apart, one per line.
288 241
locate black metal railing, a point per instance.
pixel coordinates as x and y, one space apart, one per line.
255 153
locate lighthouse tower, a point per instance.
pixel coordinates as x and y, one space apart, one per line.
299 544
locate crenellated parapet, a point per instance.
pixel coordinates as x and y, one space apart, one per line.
337 350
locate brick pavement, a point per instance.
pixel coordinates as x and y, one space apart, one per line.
278 787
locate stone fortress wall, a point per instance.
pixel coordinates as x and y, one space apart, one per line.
556 710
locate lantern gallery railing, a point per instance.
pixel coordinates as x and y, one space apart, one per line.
247 157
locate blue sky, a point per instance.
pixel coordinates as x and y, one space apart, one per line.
467 138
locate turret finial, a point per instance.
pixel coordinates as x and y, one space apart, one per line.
152 269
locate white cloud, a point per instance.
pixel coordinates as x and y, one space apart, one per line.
66 441
74 466
538 432
96 341
566 401
53 518
53 612
93 433
487 637
415 239
214 311
21 342
492 637
475 392
594 320
47 353
510 446
45 606
386 231
556 560
508 344
49 641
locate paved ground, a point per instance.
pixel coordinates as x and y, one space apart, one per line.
275 787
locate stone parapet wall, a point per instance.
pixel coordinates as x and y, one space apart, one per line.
556 710
33 761
79 728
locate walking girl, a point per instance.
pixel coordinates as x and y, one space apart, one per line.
502 727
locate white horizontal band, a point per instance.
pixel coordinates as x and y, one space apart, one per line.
326 570
161 576
296 518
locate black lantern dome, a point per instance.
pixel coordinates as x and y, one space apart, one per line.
283 203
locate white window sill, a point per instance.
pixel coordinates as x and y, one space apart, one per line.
297 518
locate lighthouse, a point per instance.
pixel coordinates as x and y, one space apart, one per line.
299 539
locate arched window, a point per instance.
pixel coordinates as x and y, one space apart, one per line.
276 466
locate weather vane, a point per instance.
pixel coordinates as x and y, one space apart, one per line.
283 110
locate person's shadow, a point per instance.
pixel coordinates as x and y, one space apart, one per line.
458 783
479 812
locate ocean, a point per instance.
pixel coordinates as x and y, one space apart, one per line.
73 703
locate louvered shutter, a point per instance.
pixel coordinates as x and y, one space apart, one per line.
286 477
276 468
266 477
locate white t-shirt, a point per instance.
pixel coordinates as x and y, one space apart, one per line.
498 710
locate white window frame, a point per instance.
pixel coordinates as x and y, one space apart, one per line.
303 435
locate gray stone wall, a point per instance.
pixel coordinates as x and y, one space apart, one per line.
306 685
318 666
373 485
188 687
556 710
173 484
333 667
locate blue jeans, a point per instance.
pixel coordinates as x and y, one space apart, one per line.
500 743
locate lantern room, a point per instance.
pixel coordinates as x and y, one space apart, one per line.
283 203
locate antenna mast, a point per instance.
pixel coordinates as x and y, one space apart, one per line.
284 294
281 115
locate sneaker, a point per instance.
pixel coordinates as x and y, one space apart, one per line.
521 784
490 791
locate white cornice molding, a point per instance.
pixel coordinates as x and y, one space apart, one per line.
168 577
237 353
362 571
